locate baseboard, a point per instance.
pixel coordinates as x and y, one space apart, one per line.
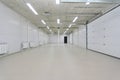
104 54
5 55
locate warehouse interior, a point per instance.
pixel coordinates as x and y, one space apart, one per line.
59 39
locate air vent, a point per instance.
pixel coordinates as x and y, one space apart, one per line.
47 13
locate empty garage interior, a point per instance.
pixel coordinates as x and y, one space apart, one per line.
59 39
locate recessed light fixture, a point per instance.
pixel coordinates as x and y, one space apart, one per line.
43 21
31 8
58 21
75 19
57 2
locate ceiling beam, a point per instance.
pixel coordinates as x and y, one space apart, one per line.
72 14
57 27
94 1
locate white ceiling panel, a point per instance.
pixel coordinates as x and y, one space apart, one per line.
66 11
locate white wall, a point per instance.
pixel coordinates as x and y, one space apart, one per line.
43 38
71 38
82 36
54 39
78 37
15 29
103 33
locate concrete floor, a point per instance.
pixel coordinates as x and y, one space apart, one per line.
63 62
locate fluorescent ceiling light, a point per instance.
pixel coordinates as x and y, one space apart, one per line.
58 21
43 21
31 8
87 3
50 30
64 32
57 1
67 29
48 27
75 19
70 25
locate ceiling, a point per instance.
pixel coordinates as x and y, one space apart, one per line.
66 11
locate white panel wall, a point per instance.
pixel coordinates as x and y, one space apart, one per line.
54 39
78 37
103 33
43 38
82 36
15 29
71 38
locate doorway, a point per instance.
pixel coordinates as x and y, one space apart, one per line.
65 39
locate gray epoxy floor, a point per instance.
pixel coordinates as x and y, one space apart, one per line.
63 62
